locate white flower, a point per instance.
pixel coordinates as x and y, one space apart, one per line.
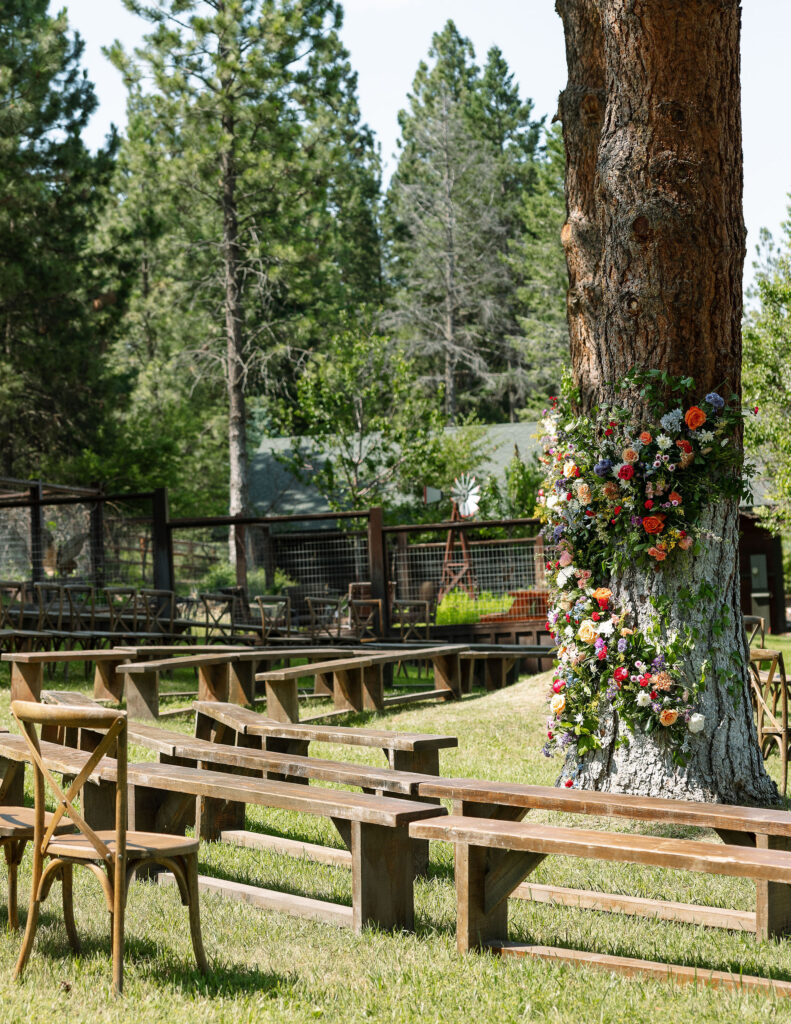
565 575
663 442
606 627
579 718
706 435
696 722
552 501
568 469
643 698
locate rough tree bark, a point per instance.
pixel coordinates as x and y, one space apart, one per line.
655 244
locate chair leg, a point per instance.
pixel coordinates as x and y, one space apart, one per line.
117 925
67 880
30 934
13 854
191 872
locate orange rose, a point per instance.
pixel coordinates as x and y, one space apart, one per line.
654 524
587 633
610 490
602 594
695 417
557 703
629 455
685 543
645 437
658 553
674 496
668 717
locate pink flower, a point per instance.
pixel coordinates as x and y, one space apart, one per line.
565 558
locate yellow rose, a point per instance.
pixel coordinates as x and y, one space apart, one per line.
557 703
668 717
587 632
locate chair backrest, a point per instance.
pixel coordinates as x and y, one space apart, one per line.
769 691
81 607
160 609
125 614
275 612
753 625
53 606
12 601
218 610
110 723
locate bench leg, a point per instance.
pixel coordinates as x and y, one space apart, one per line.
348 690
107 683
241 683
282 701
26 681
382 892
474 925
142 696
279 745
773 899
213 682
373 688
447 674
12 788
426 762
322 684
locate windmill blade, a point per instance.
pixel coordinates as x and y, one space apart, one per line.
466 493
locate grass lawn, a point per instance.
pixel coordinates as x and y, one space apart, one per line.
267 966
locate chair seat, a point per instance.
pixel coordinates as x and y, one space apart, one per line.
18 823
138 845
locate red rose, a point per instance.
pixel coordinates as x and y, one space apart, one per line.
621 675
685 446
648 504
654 695
549 734
568 496
602 654
644 682
607 433
626 472
595 616
568 782
617 510
654 524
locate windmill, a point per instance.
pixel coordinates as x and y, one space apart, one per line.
457 568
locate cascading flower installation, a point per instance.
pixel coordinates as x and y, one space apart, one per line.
618 493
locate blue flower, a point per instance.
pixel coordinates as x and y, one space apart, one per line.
717 402
557 532
671 421
603 467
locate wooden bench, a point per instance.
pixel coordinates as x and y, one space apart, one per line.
27 669
374 828
753 836
493 856
358 681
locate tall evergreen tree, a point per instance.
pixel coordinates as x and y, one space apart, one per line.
53 378
258 147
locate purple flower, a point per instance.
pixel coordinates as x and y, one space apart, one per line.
622 643
715 401
636 520
603 467
611 692
558 532
598 643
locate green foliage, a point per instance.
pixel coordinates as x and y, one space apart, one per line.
765 379
371 428
458 608
55 384
223 574
517 496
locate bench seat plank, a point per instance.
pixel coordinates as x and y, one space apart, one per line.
680 854
250 723
763 820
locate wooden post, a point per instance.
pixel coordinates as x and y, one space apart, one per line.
161 539
26 681
36 533
322 683
377 564
382 876
240 549
772 899
213 682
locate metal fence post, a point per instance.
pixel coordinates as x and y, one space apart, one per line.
377 563
161 541
36 533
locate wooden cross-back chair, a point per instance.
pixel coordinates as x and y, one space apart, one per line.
159 608
769 688
753 626
113 855
275 612
13 597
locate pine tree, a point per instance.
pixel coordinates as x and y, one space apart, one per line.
54 384
260 152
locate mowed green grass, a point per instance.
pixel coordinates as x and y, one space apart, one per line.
271 967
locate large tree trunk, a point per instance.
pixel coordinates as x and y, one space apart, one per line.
655 246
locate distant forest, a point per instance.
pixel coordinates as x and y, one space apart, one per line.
232 267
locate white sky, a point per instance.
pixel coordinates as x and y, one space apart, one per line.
387 39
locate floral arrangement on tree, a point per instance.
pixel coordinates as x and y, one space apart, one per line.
624 492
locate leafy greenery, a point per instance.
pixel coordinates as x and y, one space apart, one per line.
459 607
